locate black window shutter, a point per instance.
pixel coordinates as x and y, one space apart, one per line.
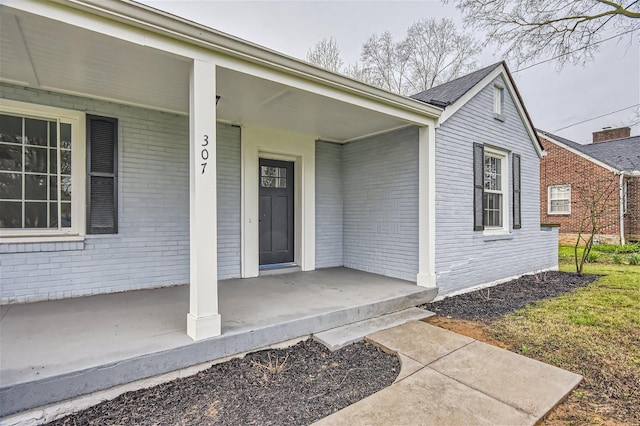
478 182
517 210
102 175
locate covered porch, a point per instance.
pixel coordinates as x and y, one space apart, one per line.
136 56
56 350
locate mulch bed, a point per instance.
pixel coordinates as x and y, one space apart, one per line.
494 302
305 383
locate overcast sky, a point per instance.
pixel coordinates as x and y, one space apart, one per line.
554 99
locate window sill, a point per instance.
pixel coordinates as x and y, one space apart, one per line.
497 236
29 244
559 214
498 117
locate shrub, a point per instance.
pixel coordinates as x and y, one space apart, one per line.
634 259
617 259
607 248
592 257
615 248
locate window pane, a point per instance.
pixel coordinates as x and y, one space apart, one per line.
53 134
35 159
53 188
492 210
65 136
53 161
10 214
35 132
35 215
11 186
65 188
10 128
492 173
35 187
65 211
53 215
65 162
10 157
273 177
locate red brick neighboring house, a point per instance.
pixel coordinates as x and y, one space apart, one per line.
612 161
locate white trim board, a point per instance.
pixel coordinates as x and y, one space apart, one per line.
258 142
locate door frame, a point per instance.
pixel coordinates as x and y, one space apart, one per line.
289 192
274 144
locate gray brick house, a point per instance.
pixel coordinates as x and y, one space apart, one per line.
140 150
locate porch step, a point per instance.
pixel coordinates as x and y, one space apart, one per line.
339 337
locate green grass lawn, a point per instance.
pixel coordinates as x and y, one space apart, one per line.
604 253
593 331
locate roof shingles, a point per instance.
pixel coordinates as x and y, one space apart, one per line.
447 93
621 154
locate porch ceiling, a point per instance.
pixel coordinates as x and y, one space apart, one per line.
44 53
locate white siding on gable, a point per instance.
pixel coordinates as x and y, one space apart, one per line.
381 204
329 204
151 248
467 258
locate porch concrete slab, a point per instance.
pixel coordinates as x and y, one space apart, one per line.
420 341
340 337
56 350
428 398
524 383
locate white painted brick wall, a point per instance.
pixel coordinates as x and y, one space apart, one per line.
329 206
464 258
152 246
228 186
380 187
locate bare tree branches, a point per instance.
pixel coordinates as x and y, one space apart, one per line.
438 53
432 53
597 210
326 54
528 30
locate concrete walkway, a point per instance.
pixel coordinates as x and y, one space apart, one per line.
449 379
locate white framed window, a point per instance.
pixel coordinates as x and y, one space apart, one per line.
42 167
495 203
559 199
498 100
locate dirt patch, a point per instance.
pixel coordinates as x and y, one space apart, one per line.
494 302
292 386
473 329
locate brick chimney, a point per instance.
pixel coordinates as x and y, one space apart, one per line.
608 134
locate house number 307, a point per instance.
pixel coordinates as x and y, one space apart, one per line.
204 154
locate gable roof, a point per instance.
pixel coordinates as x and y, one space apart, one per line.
454 94
623 155
447 93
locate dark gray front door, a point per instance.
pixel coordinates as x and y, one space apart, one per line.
276 211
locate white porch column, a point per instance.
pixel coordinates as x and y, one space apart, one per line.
203 320
427 207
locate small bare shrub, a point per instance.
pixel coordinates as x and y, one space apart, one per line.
272 366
